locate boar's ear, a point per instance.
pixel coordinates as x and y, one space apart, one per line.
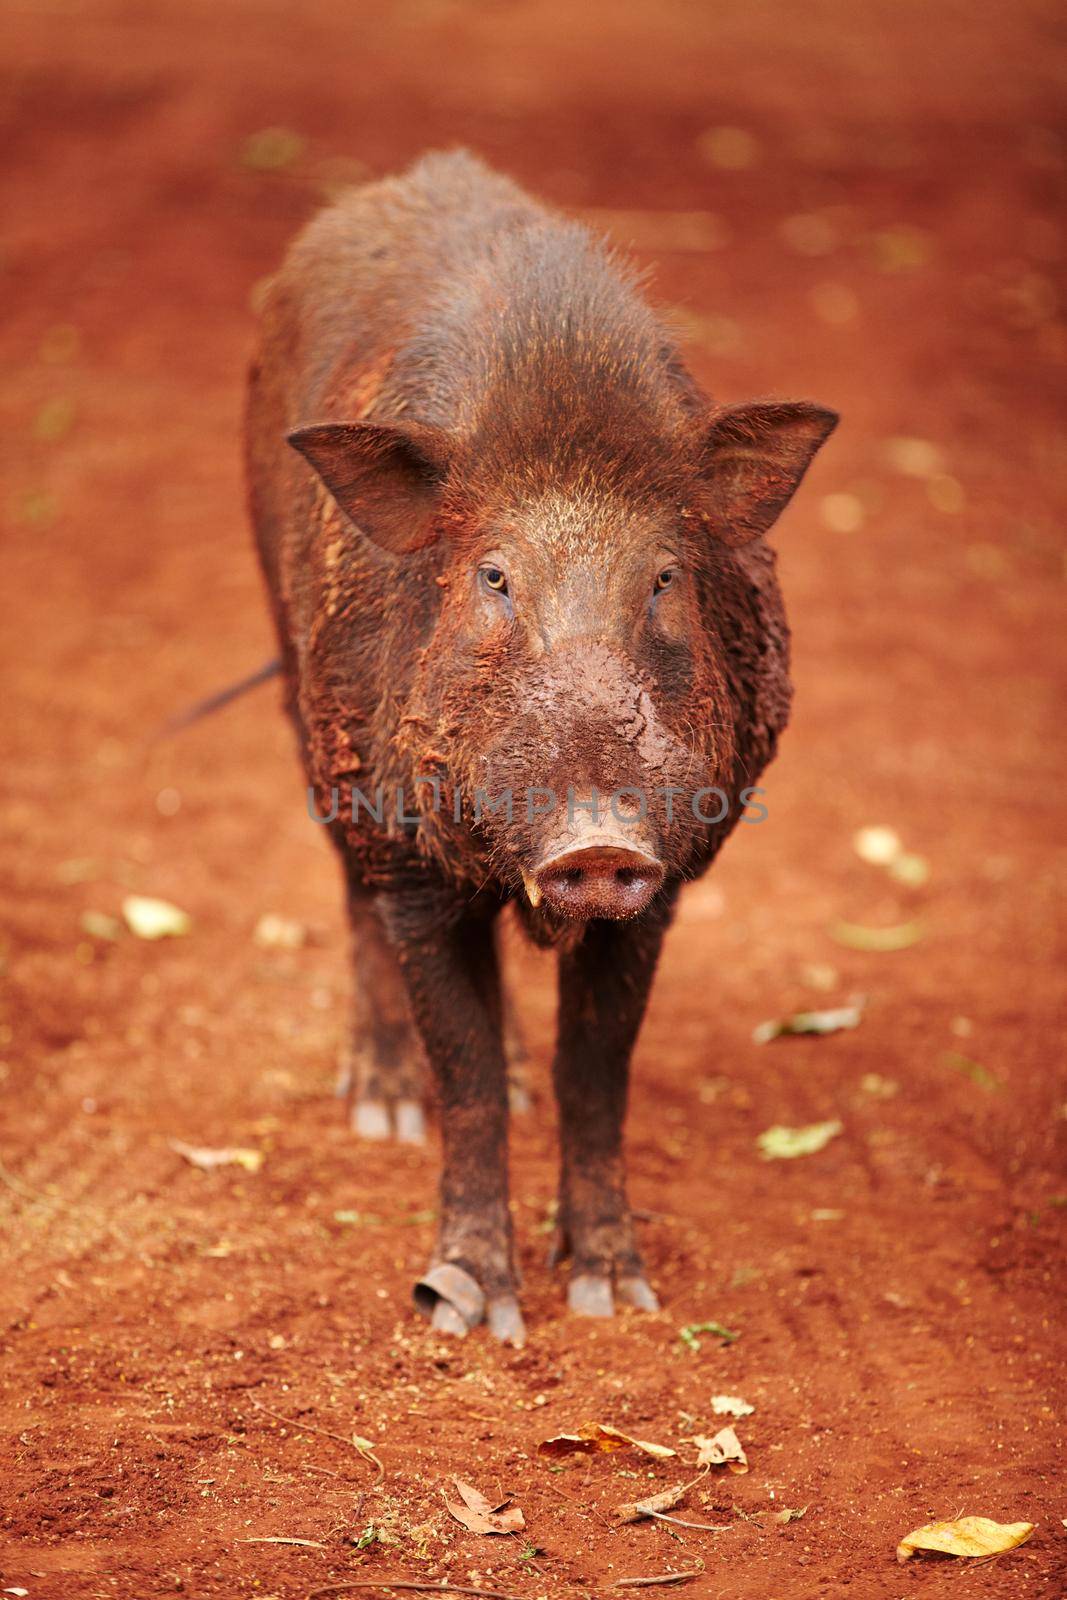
385 478
753 460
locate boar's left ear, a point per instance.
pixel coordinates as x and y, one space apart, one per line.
754 457
386 478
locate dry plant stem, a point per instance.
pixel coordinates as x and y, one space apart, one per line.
703 1527
311 1427
421 1588
659 1578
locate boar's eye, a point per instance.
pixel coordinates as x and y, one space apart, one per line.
494 579
664 579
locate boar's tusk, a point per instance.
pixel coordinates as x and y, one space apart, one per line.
532 888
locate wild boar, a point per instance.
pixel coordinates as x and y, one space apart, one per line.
529 627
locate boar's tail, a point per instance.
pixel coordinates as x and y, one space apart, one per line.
222 697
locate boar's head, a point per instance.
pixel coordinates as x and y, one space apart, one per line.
603 604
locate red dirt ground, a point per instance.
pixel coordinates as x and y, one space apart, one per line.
899 1295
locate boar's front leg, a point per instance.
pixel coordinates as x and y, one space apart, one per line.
604 985
448 958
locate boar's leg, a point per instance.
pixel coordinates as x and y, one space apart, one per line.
449 960
518 1057
383 1072
604 983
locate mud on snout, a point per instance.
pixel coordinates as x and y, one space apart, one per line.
585 805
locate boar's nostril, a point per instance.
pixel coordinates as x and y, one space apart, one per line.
599 881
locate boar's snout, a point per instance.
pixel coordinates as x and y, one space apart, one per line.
602 877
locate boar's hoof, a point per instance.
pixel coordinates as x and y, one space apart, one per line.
505 1321
637 1292
373 1119
455 1303
446 1319
519 1102
410 1122
451 1298
370 1119
590 1295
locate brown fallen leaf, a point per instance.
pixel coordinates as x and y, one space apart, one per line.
966 1536
477 1515
593 1437
723 1449
207 1160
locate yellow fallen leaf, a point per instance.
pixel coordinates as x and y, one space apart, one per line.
967 1536
854 936
723 1449
599 1436
785 1144
154 919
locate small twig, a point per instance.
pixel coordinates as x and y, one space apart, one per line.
647 1583
421 1588
266 1538
311 1427
705 1527
26 1192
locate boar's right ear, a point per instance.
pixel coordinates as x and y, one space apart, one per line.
385 478
753 460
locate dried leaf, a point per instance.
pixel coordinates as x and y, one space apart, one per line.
916 458
967 1536
271 149
730 1405
785 1144
273 932
207 1160
877 845
880 941
666 1500
688 1334
154 919
724 1449
910 869
973 1070
593 1437
477 1515
832 1021
789 1514
880 1088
